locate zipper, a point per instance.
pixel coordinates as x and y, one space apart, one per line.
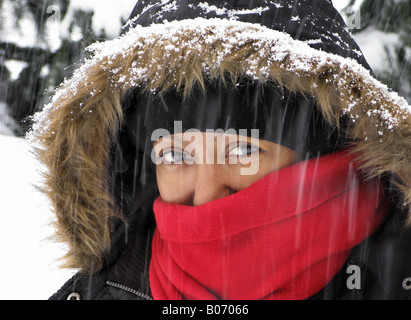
135 292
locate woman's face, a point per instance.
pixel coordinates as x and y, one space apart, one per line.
195 168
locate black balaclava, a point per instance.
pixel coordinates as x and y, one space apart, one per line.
288 119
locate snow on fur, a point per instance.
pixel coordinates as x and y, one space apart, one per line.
272 44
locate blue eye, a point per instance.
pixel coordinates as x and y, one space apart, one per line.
243 150
173 157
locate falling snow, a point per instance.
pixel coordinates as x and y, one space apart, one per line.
32 256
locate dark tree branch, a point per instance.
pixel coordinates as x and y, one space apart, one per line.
9 50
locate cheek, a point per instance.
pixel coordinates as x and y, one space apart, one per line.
237 181
173 185
278 157
267 164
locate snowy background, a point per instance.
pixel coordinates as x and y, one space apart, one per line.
29 268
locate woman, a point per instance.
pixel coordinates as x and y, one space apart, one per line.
230 150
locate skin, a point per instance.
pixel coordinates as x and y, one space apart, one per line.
195 169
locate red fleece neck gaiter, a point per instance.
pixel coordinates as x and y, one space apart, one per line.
284 237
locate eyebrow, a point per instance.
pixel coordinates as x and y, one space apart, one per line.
181 141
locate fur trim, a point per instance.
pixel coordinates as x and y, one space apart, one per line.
75 131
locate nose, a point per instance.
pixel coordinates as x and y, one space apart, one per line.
210 183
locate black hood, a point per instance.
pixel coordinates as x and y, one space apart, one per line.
316 22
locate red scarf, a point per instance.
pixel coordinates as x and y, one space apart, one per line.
284 237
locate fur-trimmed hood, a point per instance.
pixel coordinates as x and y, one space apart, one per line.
74 134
